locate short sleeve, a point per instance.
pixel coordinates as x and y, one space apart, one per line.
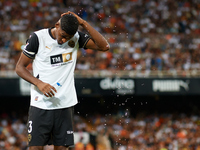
31 48
83 39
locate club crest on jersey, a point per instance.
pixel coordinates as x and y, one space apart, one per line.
29 137
71 43
61 59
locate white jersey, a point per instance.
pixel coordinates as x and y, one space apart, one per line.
54 64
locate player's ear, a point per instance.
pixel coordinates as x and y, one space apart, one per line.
57 24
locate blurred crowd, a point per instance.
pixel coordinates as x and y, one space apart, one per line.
144 35
165 131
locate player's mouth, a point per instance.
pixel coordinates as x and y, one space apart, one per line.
60 42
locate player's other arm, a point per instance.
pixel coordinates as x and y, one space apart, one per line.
97 41
22 71
25 59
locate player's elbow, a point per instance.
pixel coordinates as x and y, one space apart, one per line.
18 69
106 48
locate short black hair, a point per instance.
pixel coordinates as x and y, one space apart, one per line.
69 24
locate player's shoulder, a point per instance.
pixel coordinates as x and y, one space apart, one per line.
41 32
83 35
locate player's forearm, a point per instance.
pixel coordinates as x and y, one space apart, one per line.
26 75
98 39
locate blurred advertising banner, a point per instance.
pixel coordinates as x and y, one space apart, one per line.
113 86
105 86
170 86
138 86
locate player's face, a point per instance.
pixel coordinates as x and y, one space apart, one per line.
62 36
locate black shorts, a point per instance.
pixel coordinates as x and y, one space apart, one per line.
47 127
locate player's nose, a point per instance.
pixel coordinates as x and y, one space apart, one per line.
64 40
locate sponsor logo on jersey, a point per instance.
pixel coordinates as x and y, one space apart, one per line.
36 98
71 43
67 57
61 59
48 47
70 132
56 59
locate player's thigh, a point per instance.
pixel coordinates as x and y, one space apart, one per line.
63 127
39 127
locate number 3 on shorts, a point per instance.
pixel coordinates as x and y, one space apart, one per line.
30 127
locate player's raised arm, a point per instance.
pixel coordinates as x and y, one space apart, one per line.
97 41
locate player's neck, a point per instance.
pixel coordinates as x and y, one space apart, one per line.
53 32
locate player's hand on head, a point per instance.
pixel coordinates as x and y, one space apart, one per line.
46 89
65 13
80 20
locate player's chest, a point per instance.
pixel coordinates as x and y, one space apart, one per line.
55 54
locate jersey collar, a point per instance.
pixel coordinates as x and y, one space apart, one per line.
51 33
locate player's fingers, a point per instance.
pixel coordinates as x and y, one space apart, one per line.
51 93
65 13
46 94
54 89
